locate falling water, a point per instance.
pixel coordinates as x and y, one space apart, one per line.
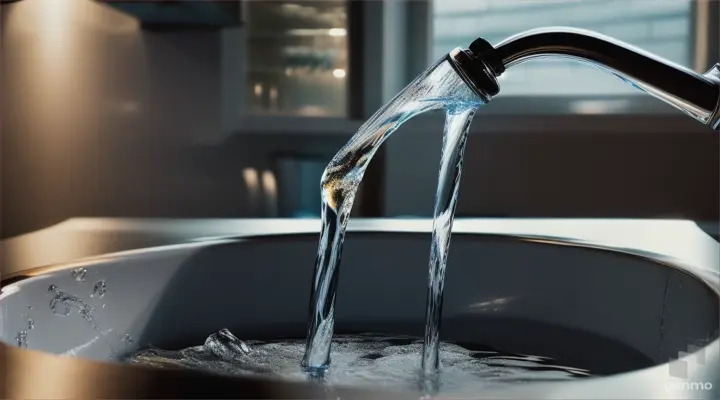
372 359
438 87
457 124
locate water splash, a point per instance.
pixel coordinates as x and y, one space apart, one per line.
363 360
63 304
99 289
128 339
79 274
226 346
438 87
30 324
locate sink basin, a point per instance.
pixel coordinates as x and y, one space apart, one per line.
626 316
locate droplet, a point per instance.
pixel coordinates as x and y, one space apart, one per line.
30 324
127 339
52 288
99 289
29 307
21 339
62 303
79 274
86 311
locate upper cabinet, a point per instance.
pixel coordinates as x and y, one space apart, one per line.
181 13
297 57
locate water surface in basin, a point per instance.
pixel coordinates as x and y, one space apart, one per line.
365 360
392 358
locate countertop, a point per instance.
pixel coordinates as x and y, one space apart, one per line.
86 237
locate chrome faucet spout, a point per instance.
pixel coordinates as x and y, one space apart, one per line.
696 94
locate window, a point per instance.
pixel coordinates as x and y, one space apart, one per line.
663 27
297 57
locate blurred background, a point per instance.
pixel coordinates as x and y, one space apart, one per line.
195 109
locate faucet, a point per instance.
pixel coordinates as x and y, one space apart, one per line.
695 94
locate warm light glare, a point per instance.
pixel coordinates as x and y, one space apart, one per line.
250 176
334 32
270 189
307 32
268 182
339 73
258 89
337 32
56 15
273 93
52 24
597 106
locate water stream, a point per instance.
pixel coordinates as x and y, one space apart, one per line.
375 359
457 124
438 87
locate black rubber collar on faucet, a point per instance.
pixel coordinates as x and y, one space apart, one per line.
478 67
483 50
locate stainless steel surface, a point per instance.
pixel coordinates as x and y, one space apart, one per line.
695 94
679 245
714 75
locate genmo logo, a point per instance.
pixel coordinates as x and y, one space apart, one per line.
680 367
684 385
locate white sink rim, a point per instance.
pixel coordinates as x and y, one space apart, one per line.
575 389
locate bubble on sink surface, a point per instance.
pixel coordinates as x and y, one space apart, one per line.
79 274
30 324
366 360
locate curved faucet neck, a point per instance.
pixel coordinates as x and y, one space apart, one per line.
696 94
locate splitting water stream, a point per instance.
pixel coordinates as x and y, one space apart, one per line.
378 359
439 87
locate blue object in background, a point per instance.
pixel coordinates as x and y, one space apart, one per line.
299 186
